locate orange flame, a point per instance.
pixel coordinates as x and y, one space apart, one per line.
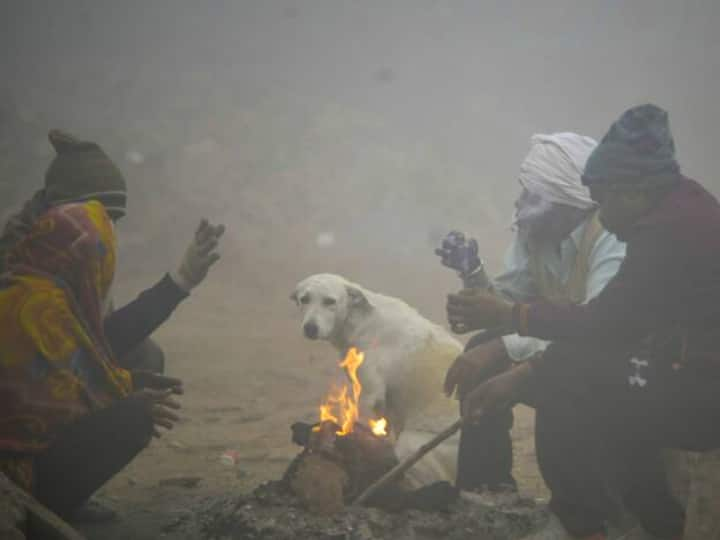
342 408
379 427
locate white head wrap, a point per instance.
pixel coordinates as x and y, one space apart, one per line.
554 166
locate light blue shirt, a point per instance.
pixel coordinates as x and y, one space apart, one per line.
516 282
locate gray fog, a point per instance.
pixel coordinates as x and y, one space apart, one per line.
322 130
342 136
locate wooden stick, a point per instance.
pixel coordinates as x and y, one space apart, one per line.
41 522
405 464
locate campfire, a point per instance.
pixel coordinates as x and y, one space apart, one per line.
343 453
341 408
345 456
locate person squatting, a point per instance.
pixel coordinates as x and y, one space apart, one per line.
610 294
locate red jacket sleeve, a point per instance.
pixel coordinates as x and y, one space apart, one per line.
632 304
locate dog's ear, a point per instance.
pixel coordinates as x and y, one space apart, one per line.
356 298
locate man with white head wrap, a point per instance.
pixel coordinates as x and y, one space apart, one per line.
553 168
560 252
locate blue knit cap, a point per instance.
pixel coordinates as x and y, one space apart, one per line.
638 150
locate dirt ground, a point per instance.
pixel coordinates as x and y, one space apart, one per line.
249 374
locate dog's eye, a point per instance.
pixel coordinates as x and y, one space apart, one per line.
329 302
305 299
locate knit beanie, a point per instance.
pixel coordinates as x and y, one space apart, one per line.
81 171
637 151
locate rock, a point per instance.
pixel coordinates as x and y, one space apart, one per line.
320 484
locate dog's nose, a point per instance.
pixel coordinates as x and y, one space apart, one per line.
311 330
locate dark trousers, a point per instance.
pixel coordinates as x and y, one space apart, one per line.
485 454
89 452
599 438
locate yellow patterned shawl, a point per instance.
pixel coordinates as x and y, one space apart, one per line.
55 364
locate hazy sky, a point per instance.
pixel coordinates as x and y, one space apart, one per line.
458 71
458 86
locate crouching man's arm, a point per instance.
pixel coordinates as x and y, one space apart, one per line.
603 263
127 327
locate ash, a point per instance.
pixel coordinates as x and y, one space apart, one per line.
271 512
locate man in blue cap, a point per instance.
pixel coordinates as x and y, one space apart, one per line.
636 369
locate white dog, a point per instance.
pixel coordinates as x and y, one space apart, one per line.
406 357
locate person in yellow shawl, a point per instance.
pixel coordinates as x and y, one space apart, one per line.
70 417
82 171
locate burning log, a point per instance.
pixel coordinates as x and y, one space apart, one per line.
344 458
334 468
398 470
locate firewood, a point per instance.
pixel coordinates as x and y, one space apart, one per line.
319 483
397 471
334 468
41 522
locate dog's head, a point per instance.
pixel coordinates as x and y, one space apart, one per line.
327 301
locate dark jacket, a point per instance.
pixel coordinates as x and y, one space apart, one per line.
130 325
664 301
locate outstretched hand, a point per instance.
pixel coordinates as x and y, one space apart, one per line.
201 254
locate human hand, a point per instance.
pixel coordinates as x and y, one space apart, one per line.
147 379
159 405
476 309
199 257
477 364
498 393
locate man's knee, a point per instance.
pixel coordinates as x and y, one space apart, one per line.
147 356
